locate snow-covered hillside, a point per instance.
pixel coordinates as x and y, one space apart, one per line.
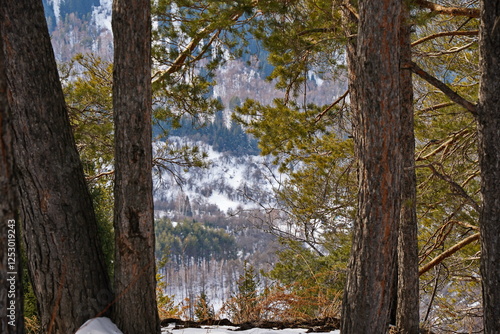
229 182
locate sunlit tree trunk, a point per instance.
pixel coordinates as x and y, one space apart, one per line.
135 284
59 227
488 117
407 305
377 120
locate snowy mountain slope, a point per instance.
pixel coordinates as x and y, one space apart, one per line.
229 183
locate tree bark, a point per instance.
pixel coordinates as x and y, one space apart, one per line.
11 297
407 306
135 284
59 227
377 120
488 119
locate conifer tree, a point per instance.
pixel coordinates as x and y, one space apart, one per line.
488 118
377 117
135 309
11 294
64 254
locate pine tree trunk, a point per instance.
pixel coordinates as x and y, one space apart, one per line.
135 283
367 299
407 310
489 159
11 297
59 227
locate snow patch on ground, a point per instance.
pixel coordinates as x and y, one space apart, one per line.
230 330
99 326
106 326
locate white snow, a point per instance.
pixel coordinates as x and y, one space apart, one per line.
99 326
223 184
56 5
230 330
102 14
106 326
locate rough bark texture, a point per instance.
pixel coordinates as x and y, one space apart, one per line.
11 298
367 298
135 285
488 117
407 310
58 222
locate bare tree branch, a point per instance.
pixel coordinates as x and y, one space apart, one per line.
459 189
452 95
453 11
436 107
343 96
447 253
445 34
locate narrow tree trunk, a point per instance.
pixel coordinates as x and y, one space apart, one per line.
367 298
11 297
407 310
135 284
59 227
489 159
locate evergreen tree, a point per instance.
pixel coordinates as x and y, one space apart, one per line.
243 305
488 118
133 210
64 254
203 310
11 293
377 116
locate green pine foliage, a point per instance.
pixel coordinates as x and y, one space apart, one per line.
203 310
191 40
315 282
244 304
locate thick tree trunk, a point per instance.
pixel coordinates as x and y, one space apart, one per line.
367 298
58 222
135 284
488 117
11 298
407 306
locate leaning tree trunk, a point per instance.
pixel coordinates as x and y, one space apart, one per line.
135 284
367 298
59 227
11 305
488 117
407 306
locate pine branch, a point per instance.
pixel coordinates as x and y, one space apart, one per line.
447 253
350 9
436 107
342 97
188 50
453 11
446 33
458 188
452 95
